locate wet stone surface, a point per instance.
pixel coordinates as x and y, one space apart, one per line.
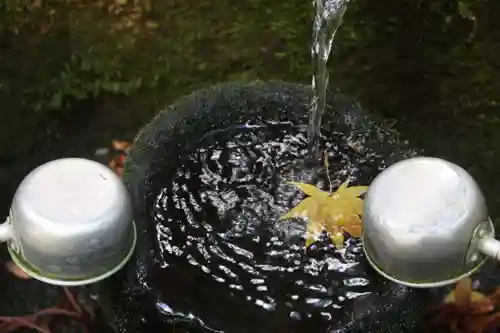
213 255
219 221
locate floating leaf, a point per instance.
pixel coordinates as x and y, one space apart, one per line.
313 231
338 238
334 213
463 294
355 230
350 192
466 311
300 210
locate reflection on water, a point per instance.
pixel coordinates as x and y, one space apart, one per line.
227 262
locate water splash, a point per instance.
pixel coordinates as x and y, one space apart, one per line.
327 19
220 239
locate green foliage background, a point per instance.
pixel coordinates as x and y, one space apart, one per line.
55 53
431 65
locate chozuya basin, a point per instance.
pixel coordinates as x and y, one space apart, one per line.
199 281
425 223
70 223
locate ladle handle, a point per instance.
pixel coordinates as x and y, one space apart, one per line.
6 231
490 247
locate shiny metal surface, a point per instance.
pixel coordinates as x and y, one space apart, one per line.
419 218
72 222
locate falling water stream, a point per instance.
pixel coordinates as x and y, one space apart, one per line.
327 19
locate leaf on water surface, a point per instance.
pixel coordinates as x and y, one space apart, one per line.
337 238
463 295
467 311
350 192
355 230
463 291
301 210
335 213
313 230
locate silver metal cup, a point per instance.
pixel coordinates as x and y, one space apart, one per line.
426 223
70 223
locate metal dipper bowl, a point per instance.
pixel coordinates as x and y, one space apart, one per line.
426 224
70 223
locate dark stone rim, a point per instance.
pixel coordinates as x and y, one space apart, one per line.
169 132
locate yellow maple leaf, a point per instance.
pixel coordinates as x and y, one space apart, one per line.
352 192
335 213
301 210
313 231
463 293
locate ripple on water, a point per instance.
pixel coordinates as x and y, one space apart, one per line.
225 255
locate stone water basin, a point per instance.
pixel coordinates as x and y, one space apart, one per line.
208 178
